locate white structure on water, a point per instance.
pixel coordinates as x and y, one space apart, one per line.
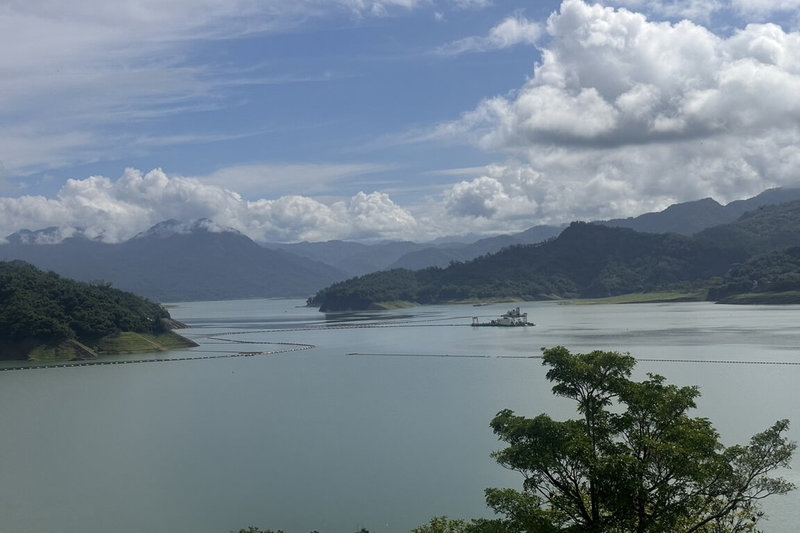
509 319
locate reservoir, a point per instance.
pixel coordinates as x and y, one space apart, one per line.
377 420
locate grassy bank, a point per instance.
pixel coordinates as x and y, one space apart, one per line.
129 342
120 343
643 297
763 298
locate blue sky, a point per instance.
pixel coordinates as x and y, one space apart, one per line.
389 119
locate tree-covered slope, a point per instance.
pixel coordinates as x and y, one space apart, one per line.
765 229
586 260
755 254
39 307
774 273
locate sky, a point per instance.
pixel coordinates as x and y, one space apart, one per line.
313 120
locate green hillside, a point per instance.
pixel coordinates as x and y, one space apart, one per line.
766 229
45 316
585 261
748 261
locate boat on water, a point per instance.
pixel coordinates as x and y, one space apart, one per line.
510 319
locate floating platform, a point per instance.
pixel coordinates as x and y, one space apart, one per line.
511 319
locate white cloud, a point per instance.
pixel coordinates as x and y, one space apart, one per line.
471 4
477 198
621 115
624 115
117 210
376 7
510 32
764 8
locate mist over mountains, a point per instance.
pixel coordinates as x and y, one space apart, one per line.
202 260
178 262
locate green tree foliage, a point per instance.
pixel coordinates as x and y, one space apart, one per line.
766 229
45 306
442 524
634 461
254 529
771 272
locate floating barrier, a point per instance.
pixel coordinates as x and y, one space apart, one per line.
288 347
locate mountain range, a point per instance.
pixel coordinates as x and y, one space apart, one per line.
755 255
180 262
201 260
688 218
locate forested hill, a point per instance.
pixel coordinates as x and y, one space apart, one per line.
586 260
753 260
39 307
766 229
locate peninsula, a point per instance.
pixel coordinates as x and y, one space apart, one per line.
44 317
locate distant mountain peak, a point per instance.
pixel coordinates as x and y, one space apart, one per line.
689 218
171 227
50 235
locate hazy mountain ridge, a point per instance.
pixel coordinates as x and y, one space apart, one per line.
202 260
45 236
171 227
354 258
688 218
177 265
443 255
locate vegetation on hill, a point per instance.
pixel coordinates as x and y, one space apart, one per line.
751 260
774 273
766 229
585 261
42 308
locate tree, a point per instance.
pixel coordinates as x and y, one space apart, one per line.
442 524
634 461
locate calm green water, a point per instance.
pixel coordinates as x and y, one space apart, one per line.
324 439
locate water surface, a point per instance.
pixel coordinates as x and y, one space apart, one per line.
380 427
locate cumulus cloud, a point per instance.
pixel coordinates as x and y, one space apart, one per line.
117 210
626 114
610 76
510 32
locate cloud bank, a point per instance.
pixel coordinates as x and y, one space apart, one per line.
621 115
624 115
114 211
